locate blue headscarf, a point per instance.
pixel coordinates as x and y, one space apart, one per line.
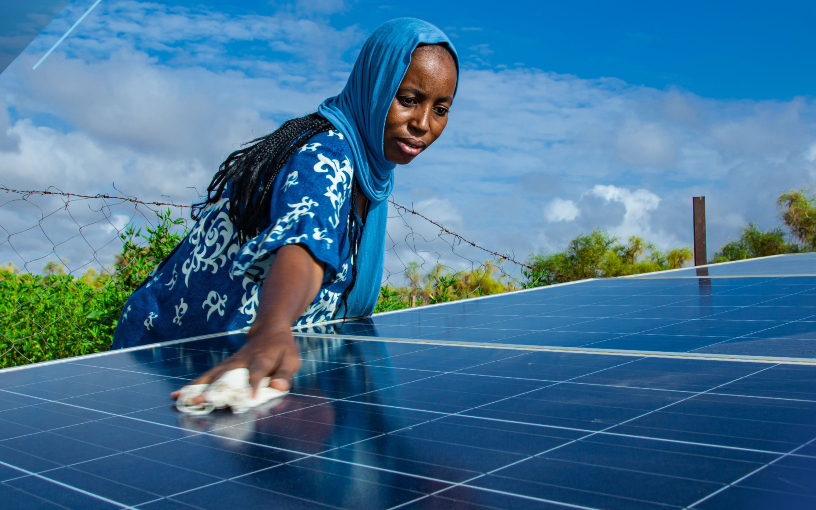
359 112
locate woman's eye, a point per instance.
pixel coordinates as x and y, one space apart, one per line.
407 101
441 110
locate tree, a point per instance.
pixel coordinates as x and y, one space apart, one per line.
754 242
798 211
678 257
600 255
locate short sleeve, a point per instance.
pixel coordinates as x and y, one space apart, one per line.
309 206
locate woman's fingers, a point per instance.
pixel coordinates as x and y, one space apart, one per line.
261 367
289 365
211 375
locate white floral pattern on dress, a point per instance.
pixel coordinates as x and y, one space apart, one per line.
148 323
341 174
154 279
172 282
249 301
310 147
296 240
322 307
256 253
341 276
212 241
320 235
181 309
216 303
291 180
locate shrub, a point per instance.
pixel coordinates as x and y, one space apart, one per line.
600 255
56 315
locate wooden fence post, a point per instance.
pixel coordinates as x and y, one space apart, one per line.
698 206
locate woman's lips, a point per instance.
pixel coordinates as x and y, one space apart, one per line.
411 148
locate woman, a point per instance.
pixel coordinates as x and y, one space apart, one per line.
293 229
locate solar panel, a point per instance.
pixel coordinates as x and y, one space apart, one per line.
450 422
752 315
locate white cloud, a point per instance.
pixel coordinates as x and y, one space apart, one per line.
117 222
482 50
646 144
153 98
638 205
8 141
810 153
561 210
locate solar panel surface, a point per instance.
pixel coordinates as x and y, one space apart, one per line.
385 424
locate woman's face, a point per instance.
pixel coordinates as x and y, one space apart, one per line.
419 111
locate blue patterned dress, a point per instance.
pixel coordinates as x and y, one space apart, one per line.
211 284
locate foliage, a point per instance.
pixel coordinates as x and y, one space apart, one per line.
390 299
797 209
600 255
56 315
754 242
440 285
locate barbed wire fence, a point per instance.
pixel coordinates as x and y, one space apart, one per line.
66 274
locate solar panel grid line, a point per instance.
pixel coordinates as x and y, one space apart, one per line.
760 331
597 432
98 458
592 433
588 431
511 494
118 351
711 315
415 425
521 460
469 299
482 375
435 374
467 483
609 352
215 429
322 454
37 475
752 473
644 332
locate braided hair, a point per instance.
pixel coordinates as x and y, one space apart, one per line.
251 172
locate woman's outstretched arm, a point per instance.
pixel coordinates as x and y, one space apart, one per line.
293 282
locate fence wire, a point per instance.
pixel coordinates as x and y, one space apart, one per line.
72 260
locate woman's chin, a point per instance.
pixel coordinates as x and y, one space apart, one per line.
399 158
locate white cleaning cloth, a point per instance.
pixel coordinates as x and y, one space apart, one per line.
231 390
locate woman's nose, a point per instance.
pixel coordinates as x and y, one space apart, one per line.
420 121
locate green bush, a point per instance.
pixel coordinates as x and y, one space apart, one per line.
56 315
797 208
600 255
753 243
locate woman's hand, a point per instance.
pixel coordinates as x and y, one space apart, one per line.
270 351
267 354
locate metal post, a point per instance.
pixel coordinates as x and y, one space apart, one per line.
698 206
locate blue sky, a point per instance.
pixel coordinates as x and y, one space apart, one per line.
722 49
571 115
